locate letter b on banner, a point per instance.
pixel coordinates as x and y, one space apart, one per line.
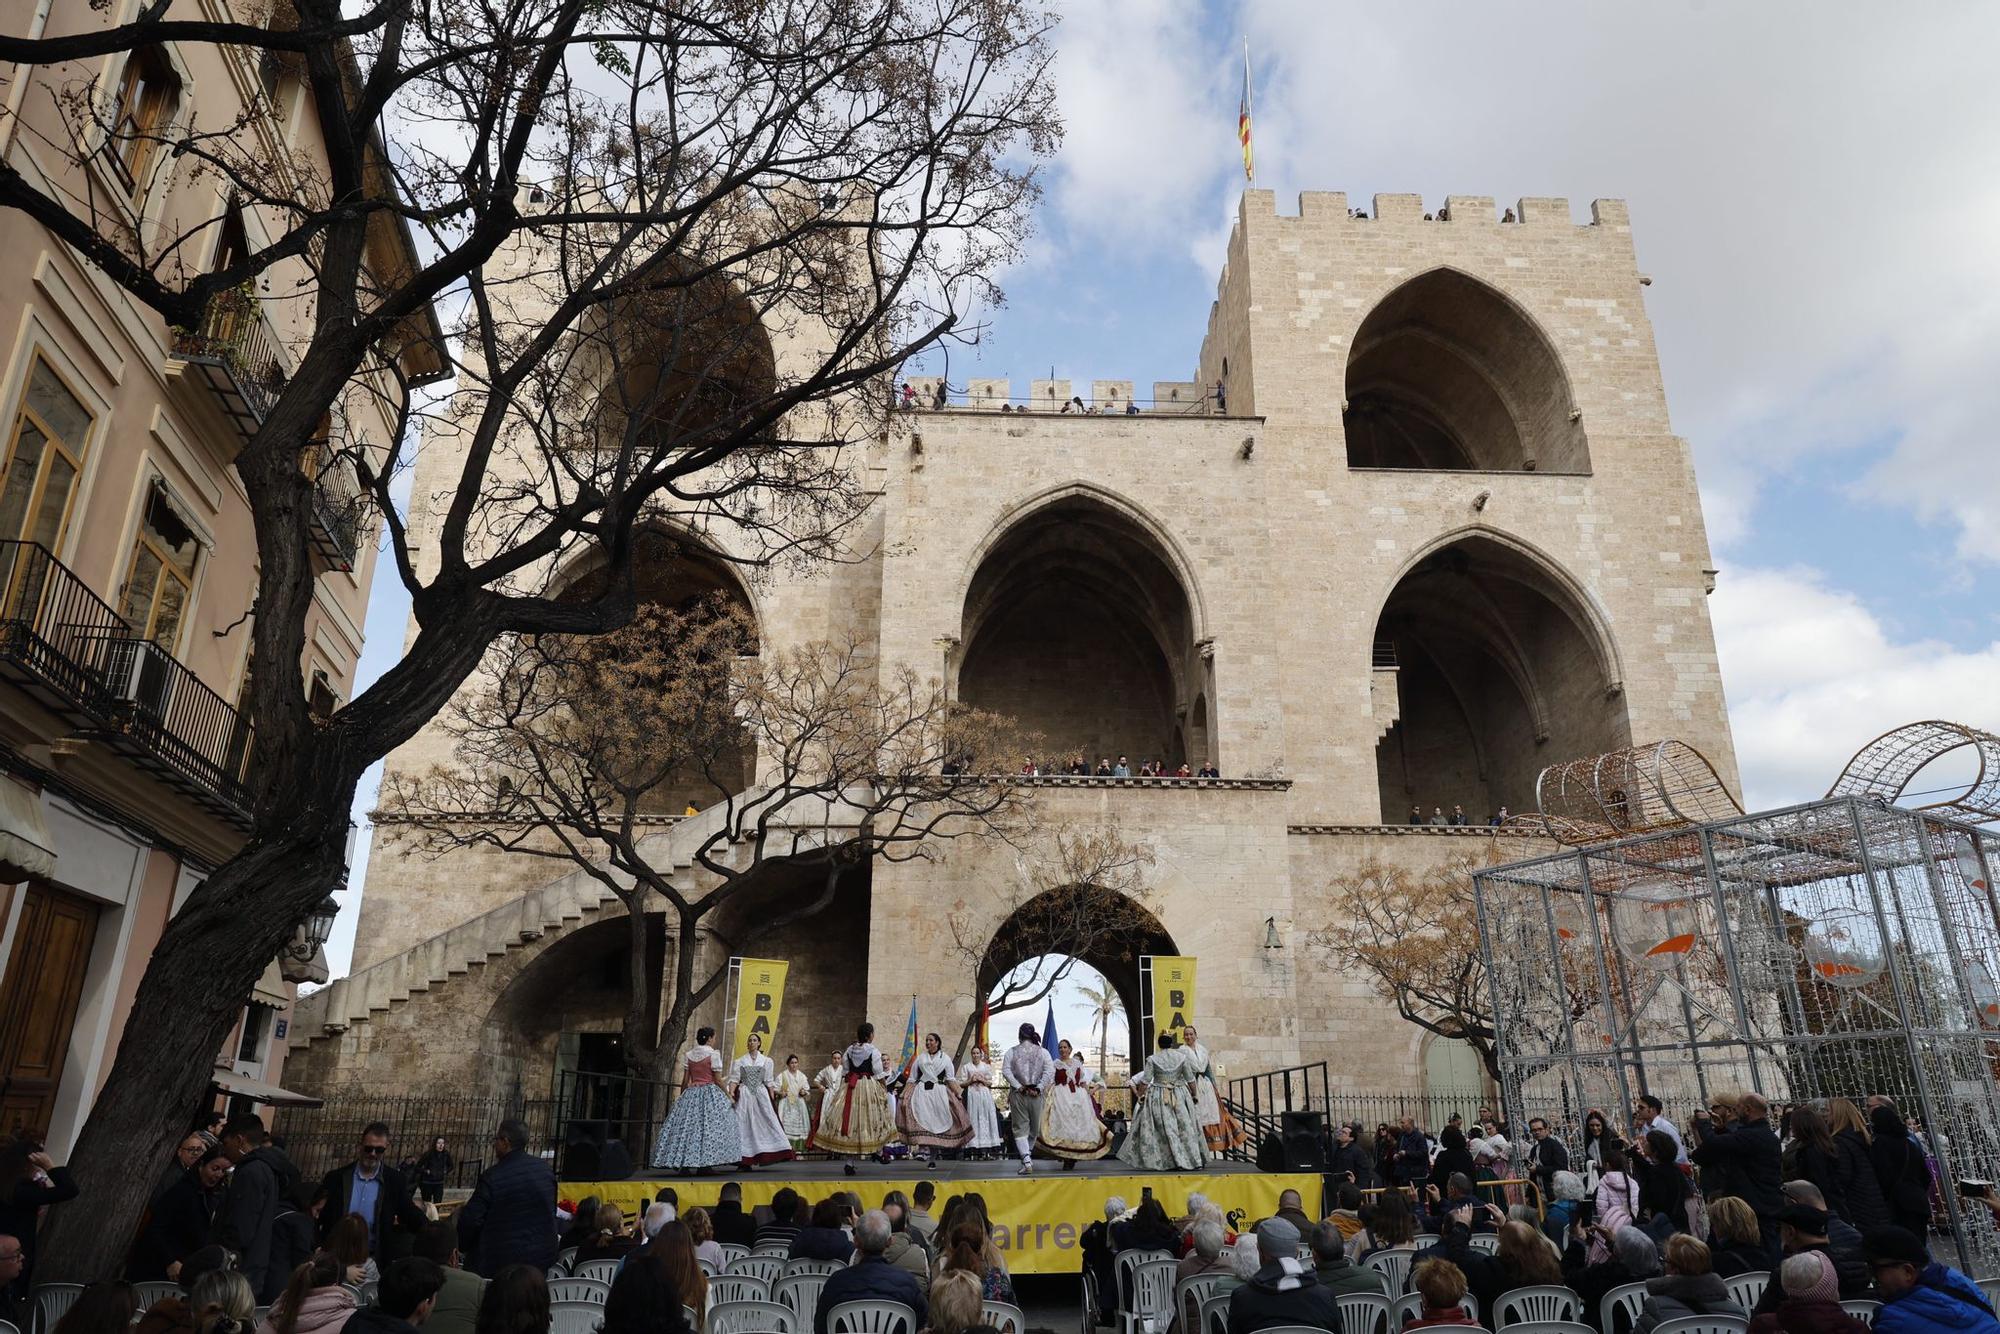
760 997
1172 978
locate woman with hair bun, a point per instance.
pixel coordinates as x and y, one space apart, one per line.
701 1131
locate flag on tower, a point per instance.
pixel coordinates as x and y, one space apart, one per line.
909 1056
984 1016
1243 119
1049 1039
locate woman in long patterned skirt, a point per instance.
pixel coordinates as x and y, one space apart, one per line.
700 1132
826 1083
1218 1127
794 1111
1071 1130
757 1124
976 1078
856 1122
929 1113
1165 1134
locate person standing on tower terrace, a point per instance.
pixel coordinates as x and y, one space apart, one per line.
858 1119
1028 1069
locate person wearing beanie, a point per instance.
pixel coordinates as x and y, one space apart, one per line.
1918 1293
1811 1300
1284 1290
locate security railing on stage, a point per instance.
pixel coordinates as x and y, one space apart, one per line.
1259 1101
1840 949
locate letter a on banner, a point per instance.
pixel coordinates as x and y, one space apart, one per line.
760 995
1172 991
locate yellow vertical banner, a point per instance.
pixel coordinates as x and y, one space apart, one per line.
1173 993
760 995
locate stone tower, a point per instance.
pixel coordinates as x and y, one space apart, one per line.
1417 528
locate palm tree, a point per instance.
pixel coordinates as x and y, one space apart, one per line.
1106 1002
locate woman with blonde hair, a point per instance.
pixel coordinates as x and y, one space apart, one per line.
956 1303
1736 1245
315 1301
1689 1287
701 1229
222 1302
608 1240
1523 1258
1855 1165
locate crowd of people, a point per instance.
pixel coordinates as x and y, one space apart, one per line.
1457 818
1078 767
751 1114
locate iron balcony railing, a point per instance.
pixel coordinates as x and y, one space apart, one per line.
66 645
238 354
337 508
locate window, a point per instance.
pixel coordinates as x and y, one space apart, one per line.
256 1026
320 697
162 577
148 96
44 459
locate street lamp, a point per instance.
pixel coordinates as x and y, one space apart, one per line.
1271 941
313 932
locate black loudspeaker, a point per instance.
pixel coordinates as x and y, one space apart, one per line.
1271 1153
590 1154
1304 1136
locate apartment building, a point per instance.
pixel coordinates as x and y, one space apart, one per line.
128 565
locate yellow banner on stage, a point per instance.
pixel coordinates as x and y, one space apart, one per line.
1037 1220
760 994
1173 993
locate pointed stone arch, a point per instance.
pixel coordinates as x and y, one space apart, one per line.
1448 372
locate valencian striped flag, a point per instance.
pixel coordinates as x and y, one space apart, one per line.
1243 119
909 1056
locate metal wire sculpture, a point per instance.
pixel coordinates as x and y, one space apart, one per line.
1637 790
1885 767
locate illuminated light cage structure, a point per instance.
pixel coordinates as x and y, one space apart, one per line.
1837 949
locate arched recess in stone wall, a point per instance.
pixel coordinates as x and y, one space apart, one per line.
1101 927
1079 622
674 571
1447 372
1502 666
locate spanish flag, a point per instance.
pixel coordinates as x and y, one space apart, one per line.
1243 119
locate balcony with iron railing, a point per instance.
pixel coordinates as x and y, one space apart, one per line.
68 648
338 505
239 355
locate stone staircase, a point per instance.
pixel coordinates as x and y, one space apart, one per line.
569 900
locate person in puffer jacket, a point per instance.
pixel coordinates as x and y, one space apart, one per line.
1919 1295
316 1300
1690 1287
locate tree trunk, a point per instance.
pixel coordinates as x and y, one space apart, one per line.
206 963
641 1027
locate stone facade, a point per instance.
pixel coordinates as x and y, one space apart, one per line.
1417 527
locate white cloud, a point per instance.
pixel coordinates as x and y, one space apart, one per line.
1812 675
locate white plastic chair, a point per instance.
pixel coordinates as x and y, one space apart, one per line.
566 1258
1123 1265
822 1268
9 1327
602 1270
1361 1312
692 1316
1152 1295
575 1317
1190 1293
871 1317
1405 1309
1549 1327
1704 1324
731 1250
738 1288
778 1248
1394 1267
707 1267
1864 1310
145 1294
798 1293
765 1267
592 1290
1483 1242
750 1318
1215 1313
1092 1302
364 1296
1003 1316
1627 1297
1541 1301
1427 1239
1746 1288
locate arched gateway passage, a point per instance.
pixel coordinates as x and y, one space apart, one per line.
1100 927
1446 373
1077 624
1501 668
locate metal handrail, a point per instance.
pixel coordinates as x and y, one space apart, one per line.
337 506
234 334
177 716
51 622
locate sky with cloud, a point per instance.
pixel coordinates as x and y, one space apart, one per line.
1813 189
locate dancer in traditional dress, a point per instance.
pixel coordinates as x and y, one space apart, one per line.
857 1118
757 1124
1028 1069
700 1132
1071 1130
794 1112
929 1113
976 1078
1164 1131
1218 1127
828 1082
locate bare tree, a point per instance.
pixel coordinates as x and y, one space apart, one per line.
625 206
590 733
1081 892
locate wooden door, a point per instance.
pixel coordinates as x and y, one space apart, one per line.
38 1003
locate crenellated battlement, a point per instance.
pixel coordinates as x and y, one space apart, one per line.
1529 211
1106 397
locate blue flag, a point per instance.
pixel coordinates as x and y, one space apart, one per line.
1049 1032
909 1054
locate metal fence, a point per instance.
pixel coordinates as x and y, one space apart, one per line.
318 1139
1840 949
1259 1101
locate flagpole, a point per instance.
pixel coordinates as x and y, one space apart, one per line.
1250 105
